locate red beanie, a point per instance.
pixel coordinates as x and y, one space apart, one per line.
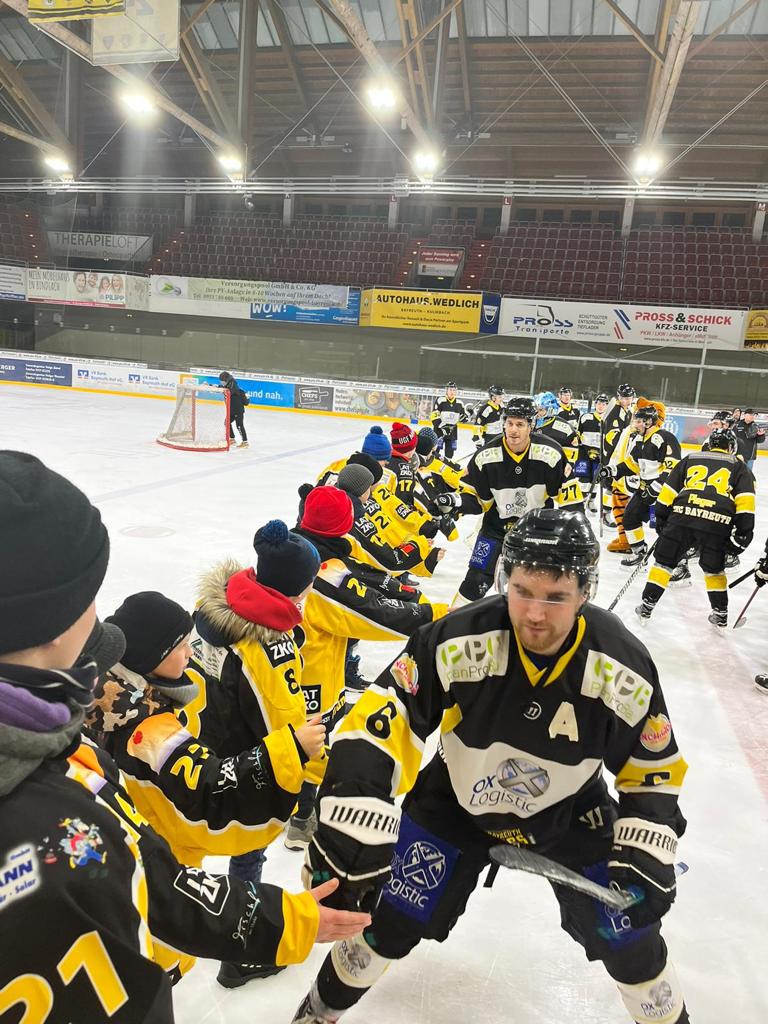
403 439
328 512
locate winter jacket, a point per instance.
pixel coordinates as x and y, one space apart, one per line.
250 689
200 803
87 883
749 436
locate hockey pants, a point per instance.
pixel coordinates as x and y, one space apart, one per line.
637 512
437 863
673 543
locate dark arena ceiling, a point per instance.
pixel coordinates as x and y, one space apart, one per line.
503 89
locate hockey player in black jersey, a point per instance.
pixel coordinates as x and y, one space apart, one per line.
509 477
489 418
533 691
707 503
567 411
651 454
446 416
618 416
592 445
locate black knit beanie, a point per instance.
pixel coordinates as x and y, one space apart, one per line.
153 625
54 551
364 459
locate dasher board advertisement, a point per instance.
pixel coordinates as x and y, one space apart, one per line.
426 310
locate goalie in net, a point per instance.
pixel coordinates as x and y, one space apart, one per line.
200 420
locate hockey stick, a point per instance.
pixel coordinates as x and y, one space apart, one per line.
741 621
741 579
633 576
600 478
524 860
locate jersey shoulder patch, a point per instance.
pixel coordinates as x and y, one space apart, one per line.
487 455
658 441
545 453
472 658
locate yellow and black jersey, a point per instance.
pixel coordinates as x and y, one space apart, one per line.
404 473
709 491
370 548
200 803
446 416
330 474
570 414
591 430
489 420
505 486
443 474
615 420
348 601
565 433
404 520
91 895
650 458
518 744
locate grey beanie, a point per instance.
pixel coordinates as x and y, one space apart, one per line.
355 479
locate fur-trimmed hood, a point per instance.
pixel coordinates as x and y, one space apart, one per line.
216 622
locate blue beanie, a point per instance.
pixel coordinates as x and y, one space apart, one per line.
376 444
284 561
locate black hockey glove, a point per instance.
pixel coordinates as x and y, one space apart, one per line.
446 503
447 526
606 473
429 529
642 861
478 441
739 540
761 571
354 842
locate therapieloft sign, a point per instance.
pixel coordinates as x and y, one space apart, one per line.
99 245
683 327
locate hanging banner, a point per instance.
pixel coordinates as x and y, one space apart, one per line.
13 282
40 11
348 315
436 261
98 245
75 287
756 334
421 310
207 296
683 327
148 31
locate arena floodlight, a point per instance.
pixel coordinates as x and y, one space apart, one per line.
58 163
138 105
231 162
426 162
646 165
382 97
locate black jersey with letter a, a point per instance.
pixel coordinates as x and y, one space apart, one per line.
710 491
505 486
518 744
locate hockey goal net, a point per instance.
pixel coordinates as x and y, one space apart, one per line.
200 420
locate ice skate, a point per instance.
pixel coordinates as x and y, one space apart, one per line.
761 683
681 577
644 611
637 554
243 444
237 975
719 620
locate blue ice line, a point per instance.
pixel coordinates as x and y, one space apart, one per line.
207 473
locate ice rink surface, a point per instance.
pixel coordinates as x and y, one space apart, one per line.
171 514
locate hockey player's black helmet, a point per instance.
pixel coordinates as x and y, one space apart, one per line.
722 416
494 389
602 397
723 441
565 389
520 409
554 540
649 414
625 391
450 384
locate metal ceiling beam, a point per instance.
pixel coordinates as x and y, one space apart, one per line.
16 133
410 70
466 84
21 94
332 16
77 45
286 42
683 28
249 23
695 50
417 40
378 65
199 70
201 10
639 36
409 21
592 189
441 63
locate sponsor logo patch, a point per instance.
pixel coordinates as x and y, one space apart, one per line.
406 674
469 659
210 891
19 875
656 734
623 690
